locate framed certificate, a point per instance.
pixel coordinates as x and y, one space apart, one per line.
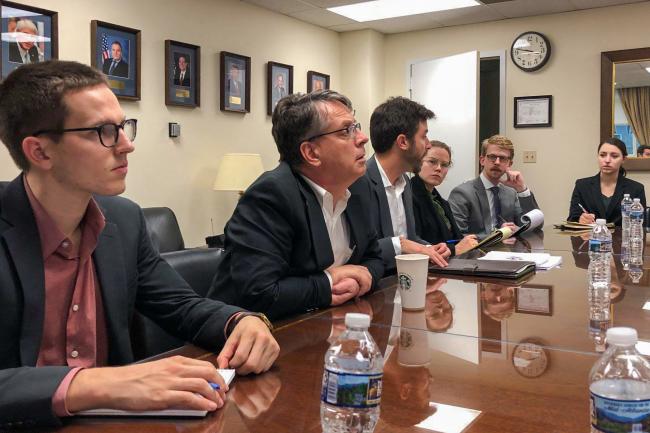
535 299
533 111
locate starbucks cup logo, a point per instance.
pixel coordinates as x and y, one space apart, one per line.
405 282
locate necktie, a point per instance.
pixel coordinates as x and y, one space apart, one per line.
440 211
182 77
497 206
113 65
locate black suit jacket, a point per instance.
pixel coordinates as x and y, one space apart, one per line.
380 219
121 69
131 275
277 247
428 223
587 193
186 78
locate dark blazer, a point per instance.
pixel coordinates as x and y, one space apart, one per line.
132 277
121 70
186 78
587 193
380 219
428 224
277 247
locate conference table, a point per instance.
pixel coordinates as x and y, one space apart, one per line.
484 356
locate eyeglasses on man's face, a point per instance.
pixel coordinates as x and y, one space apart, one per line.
493 158
108 133
348 132
435 162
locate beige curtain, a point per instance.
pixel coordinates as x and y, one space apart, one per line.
636 103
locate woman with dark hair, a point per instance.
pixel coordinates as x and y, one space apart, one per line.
434 221
600 196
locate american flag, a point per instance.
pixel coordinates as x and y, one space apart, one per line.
105 53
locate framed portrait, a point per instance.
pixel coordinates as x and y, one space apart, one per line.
279 83
115 50
535 299
533 111
29 35
235 83
317 81
182 74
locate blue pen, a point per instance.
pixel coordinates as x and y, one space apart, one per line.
215 386
453 241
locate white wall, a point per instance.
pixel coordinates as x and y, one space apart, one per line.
179 173
566 151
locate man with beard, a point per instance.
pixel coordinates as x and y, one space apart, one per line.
398 130
498 197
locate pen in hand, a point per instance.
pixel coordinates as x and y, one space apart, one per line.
583 208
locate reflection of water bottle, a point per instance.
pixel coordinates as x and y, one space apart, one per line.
352 380
598 273
636 272
598 296
625 217
636 232
620 386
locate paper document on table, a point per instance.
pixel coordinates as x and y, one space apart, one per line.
542 260
227 374
530 221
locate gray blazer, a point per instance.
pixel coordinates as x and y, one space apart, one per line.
471 208
380 218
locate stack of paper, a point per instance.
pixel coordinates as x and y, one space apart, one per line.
542 260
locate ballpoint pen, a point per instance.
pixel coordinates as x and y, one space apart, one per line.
583 208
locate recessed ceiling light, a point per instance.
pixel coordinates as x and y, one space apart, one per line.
382 9
648 69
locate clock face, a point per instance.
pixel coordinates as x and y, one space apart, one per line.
530 359
530 51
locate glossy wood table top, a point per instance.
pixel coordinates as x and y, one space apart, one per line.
482 357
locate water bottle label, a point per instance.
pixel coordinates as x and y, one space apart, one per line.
594 245
351 390
619 416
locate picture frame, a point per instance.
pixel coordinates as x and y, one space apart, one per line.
182 74
534 299
115 50
235 89
317 81
35 39
533 111
274 89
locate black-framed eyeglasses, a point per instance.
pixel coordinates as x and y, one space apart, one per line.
435 162
493 158
350 131
108 132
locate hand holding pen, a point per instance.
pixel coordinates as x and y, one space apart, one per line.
586 217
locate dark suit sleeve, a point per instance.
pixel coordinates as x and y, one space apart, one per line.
26 396
168 300
260 237
576 197
372 258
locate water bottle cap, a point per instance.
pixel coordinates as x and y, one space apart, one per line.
637 200
622 336
601 222
626 195
357 320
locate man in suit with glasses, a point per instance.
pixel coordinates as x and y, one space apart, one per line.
498 197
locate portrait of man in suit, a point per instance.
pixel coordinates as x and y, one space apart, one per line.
235 96
279 90
182 70
25 49
115 65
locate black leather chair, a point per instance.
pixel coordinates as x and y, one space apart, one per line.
198 267
163 229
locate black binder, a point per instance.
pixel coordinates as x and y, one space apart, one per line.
486 268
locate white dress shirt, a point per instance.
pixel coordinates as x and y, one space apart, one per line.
488 184
396 206
337 226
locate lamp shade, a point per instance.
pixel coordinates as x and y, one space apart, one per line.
237 171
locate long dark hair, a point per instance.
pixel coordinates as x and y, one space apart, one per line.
621 146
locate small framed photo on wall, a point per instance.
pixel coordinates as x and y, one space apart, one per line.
29 35
317 81
182 74
115 50
235 83
279 83
533 111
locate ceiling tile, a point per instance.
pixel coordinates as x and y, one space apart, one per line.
282 6
322 17
587 4
477 14
349 27
526 8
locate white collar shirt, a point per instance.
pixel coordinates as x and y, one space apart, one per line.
396 206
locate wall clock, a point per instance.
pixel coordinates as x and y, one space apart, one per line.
530 358
530 51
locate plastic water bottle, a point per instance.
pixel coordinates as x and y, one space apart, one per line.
619 384
626 203
352 380
600 242
636 232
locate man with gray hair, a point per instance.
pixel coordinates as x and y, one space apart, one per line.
298 239
25 50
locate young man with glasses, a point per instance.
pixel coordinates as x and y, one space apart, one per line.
299 239
76 261
498 197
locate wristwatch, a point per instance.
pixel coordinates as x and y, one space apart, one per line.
233 323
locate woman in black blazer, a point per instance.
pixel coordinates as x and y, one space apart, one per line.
434 221
601 195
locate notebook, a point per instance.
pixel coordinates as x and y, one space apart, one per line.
227 374
485 268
